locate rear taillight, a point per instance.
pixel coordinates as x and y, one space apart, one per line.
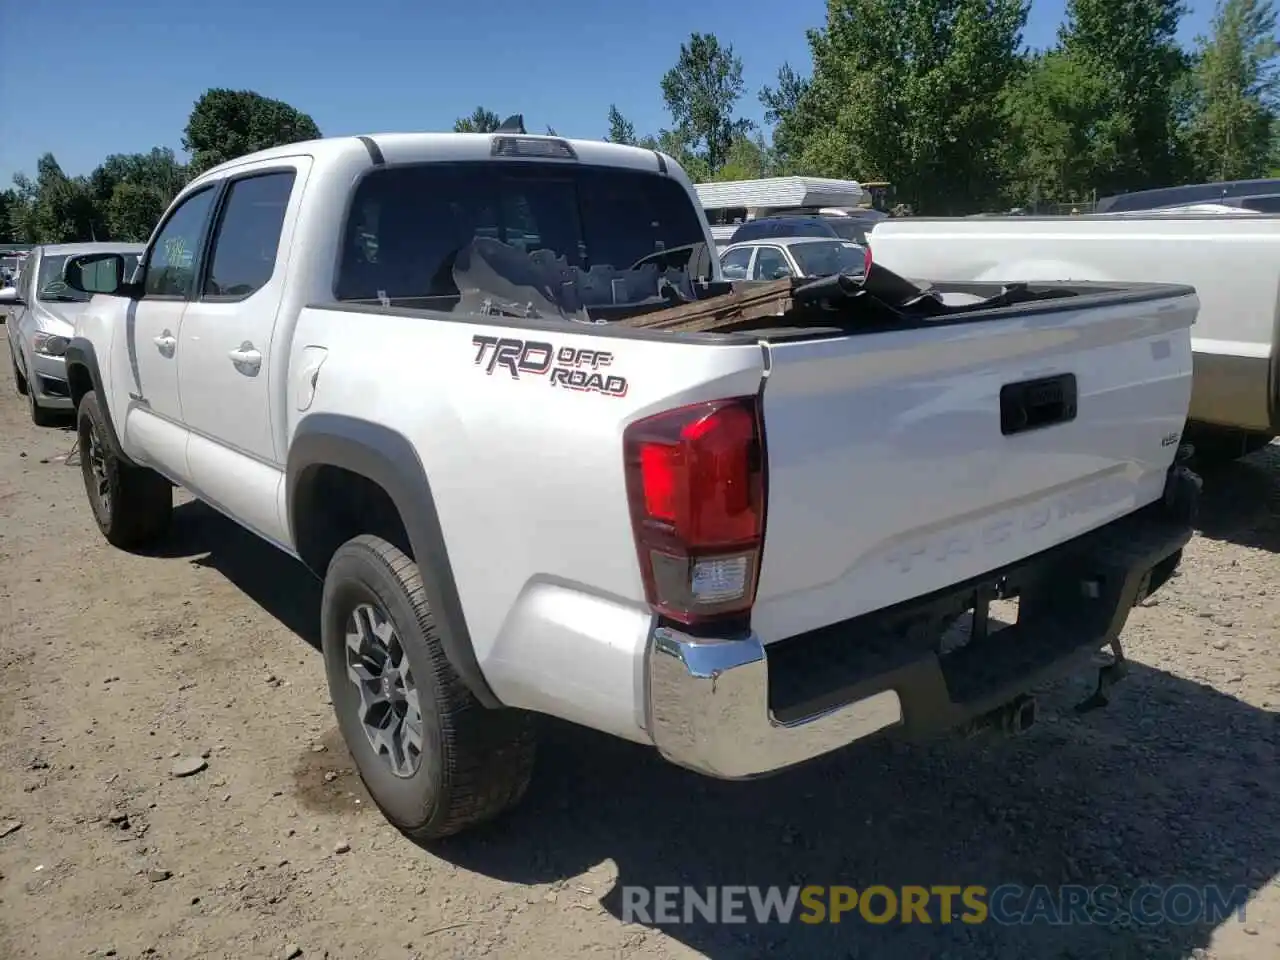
695 481
866 259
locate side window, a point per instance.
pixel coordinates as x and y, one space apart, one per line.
770 265
1269 204
734 264
171 267
248 235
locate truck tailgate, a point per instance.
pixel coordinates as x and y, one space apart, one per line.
901 463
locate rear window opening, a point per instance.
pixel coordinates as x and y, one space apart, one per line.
549 240
570 239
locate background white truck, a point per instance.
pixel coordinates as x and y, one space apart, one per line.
1233 261
738 537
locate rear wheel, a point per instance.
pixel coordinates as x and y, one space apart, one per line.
132 505
1218 446
434 759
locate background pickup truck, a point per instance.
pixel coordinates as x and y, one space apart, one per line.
1233 261
493 391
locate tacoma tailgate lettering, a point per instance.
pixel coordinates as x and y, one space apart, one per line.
1028 519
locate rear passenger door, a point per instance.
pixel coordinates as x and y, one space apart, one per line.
226 368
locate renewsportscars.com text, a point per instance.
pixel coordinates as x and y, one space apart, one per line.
939 904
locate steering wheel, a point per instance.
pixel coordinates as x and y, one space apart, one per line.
54 288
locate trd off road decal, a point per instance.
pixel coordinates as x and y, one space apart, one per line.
569 367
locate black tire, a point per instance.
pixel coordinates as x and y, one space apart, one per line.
1217 447
41 416
138 503
19 380
475 762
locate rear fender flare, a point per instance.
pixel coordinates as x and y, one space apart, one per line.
388 459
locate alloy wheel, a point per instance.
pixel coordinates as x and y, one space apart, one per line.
390 710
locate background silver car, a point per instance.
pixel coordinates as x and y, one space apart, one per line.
42 316
778 257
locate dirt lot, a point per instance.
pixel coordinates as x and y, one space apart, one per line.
113 668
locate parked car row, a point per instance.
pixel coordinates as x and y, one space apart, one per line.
42 315
797 245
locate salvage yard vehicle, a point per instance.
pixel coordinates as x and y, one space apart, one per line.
580 474
42 320
1232 260
793 257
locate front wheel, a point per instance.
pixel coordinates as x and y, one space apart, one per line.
19 381
435 760
40 416
132 505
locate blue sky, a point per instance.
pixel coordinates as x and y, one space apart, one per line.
86 79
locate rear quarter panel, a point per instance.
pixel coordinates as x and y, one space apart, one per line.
527 479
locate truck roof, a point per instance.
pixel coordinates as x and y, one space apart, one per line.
419 147
90 246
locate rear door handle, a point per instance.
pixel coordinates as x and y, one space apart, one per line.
246 358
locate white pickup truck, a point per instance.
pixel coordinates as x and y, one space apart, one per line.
1232 260
493 391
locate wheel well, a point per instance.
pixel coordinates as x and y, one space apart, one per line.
78 382
331 505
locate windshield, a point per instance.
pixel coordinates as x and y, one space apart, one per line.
51 288
825 258
605 232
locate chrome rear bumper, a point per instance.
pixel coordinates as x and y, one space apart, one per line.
714 707
709 710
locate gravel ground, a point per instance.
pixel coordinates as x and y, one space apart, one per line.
118 671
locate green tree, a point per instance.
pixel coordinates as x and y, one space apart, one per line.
701 92
225 124
787 107
133 190
621 130
1130 48
480 121
748 159
54 208
909 93
8 205
1055 112
677 146
1235 92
